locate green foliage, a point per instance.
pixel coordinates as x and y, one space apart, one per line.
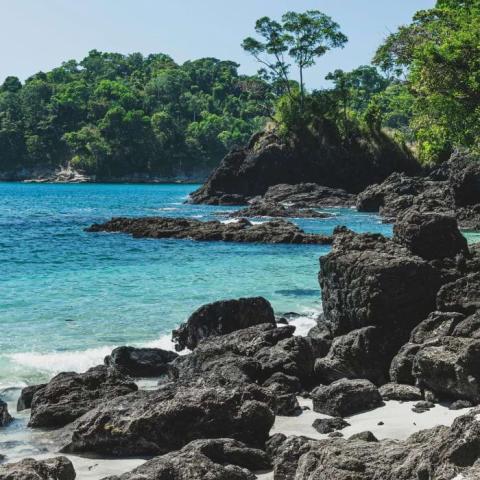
440 52
114 115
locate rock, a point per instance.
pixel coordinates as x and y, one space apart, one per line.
5 417
462 296
449 367
402 364
437 324
402 393
357 354
346 397
287 383
157 422
366 436
26 396
140 362
217 459
423 406
368 280
329 425
430 236
220 318
69 395
266 209
469 327
304 195
465 180
335 435
274 231
59 468
460 404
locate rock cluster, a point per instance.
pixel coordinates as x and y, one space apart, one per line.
59 468
274 231
452 189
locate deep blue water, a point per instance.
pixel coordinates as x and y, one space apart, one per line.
67 297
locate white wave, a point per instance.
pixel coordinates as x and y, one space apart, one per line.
230 220
169 209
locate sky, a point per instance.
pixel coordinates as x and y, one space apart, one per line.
40 34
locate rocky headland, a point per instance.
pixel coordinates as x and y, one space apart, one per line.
400 324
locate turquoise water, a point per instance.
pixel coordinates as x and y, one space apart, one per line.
68 297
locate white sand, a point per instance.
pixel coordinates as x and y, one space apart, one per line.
399 421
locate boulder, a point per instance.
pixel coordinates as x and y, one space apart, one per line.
140 362
462 296
366 436
329 425
430 236
69 395
216 459
346 397
220 318
26 396
273 231
357 354
437 324
263 208
465 180
59 468
401 393
158 422
402 364
5 417
450 368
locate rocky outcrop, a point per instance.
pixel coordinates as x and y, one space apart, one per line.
158 422
26 396
323 159
276 210
440 453
274 231
217 459
140 362
5 417
220 318
346 397
69 395
59 468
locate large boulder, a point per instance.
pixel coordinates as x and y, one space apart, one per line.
26 396
402 393
59 468
140 362
5 417
402 364
217 459
270 160
346 397
430 236
69 395
465 180
157 422
220 318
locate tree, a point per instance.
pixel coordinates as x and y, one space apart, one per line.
304 37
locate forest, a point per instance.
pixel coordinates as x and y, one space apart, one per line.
111 114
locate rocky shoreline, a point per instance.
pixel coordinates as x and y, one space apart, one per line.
400 324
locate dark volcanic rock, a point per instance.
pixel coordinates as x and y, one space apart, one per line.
269 160
430 236
366 436
274 231
218 459
305 195
59 468
268 209
465 180
5 417
329 425
140 362
26 396
461 296
437 324
346 397
157 422
368 280
69 395
402 393
440 453
220 318
402 364
357 354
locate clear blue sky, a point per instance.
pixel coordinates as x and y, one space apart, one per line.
40 34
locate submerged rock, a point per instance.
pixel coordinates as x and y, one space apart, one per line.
70 395
140 362
346 397
59 468
158 422
274 231
220 318
217 459
266 209
5 417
